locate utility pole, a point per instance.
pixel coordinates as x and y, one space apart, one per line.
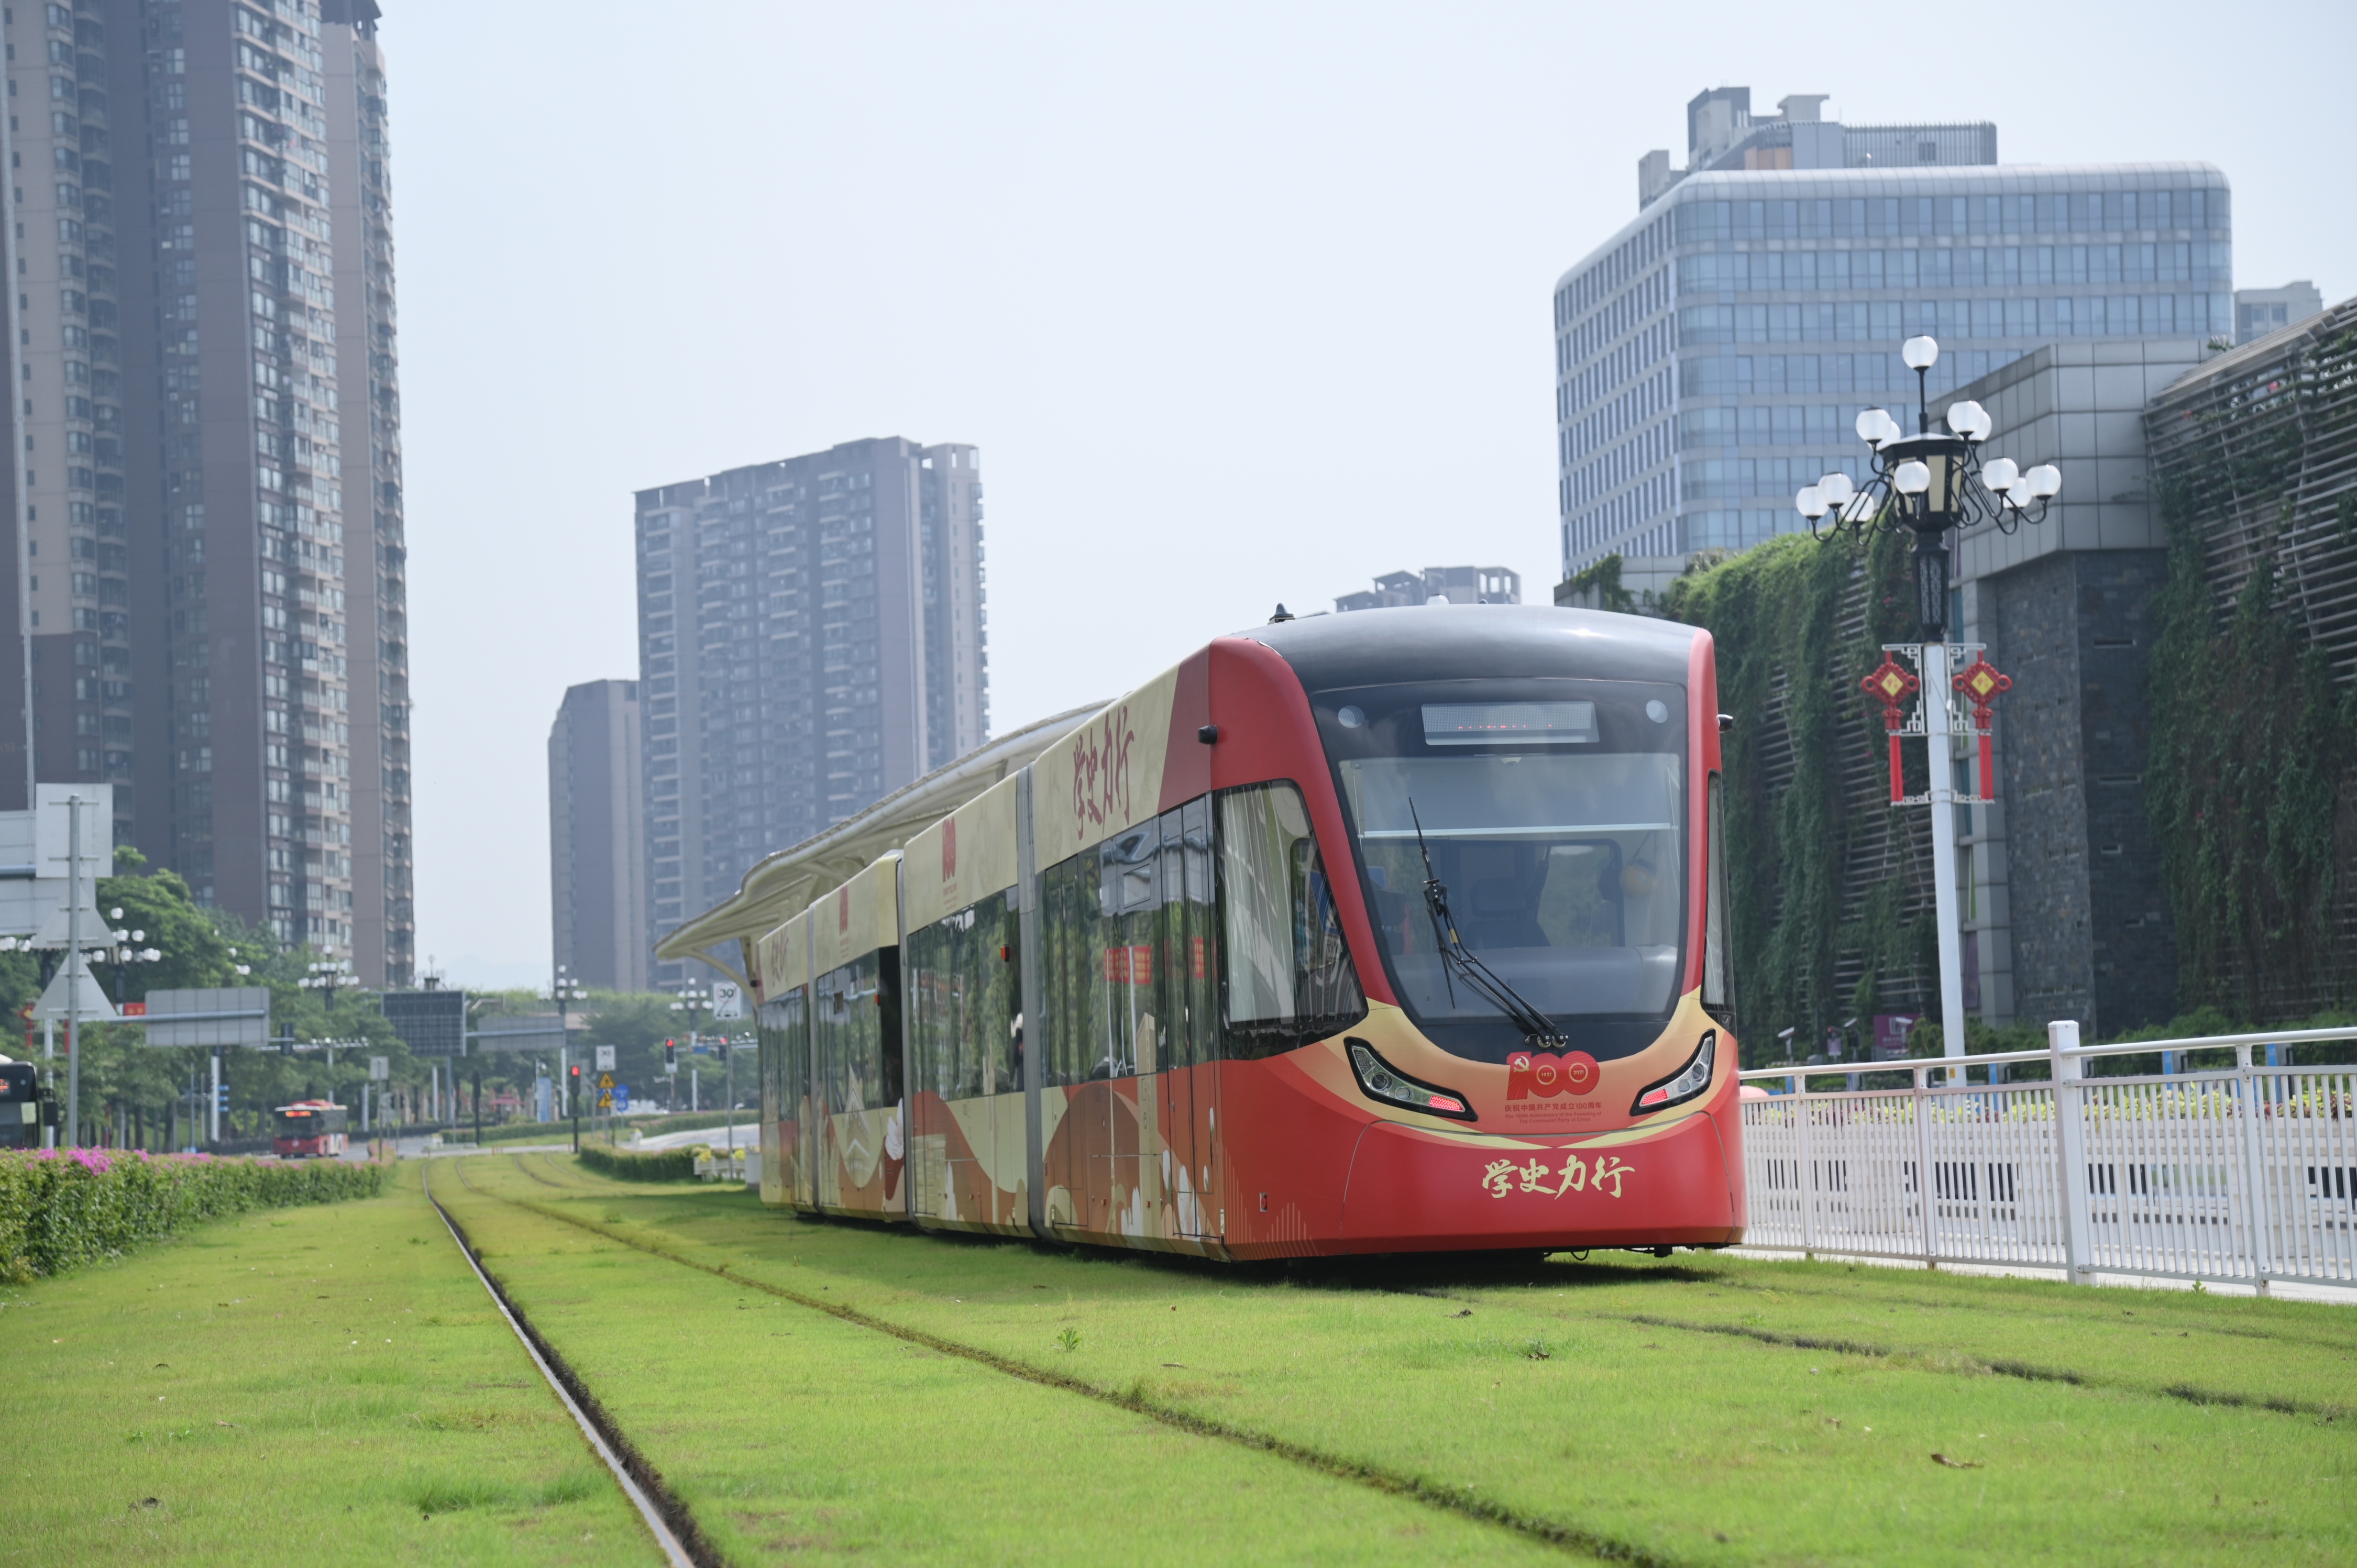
73 973
479 1107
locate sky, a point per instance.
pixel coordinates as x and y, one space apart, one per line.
1243 304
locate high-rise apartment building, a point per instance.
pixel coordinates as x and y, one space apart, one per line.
811 638
207 469
597 837
1712 356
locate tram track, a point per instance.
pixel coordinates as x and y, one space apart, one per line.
1439 1495
667 1518
2325 1410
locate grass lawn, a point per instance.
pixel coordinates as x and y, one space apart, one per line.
293 1385
794 1435
1695 1409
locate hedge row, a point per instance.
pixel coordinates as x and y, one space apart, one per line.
668 1164
60 1208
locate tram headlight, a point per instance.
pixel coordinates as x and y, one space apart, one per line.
1681 1086
1380 1080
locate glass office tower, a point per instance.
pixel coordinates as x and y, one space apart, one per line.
1711 356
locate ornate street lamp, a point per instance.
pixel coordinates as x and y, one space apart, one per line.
327 976
126 951
1929 485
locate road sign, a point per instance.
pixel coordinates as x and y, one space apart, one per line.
379 1069
605 1059
621 1098
728 1000
230 1015
430 1023
605 1080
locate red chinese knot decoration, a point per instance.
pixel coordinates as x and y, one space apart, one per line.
1891 685
1982 683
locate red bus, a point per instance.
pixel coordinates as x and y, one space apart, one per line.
309 1128
1394 932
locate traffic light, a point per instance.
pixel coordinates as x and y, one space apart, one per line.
574 1070
671 1056
220 1098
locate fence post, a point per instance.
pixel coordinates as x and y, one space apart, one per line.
2248 1102
1925 1185
1808 1168
2071 1151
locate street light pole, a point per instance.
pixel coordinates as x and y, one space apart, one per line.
564 990
1930 485
691 998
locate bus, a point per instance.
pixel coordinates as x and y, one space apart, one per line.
1394 932
21 1104
307 1129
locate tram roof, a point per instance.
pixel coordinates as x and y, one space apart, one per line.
781 884
1453 642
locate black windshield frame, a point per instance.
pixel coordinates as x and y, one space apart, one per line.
1392 727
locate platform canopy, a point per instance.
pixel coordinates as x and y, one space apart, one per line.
783 885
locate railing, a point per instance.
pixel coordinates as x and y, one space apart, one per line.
2247 1174
741 1164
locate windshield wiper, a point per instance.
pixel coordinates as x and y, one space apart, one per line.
1458 962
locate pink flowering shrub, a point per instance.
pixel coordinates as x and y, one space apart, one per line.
60 1208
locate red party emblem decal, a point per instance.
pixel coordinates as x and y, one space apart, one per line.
1544 1075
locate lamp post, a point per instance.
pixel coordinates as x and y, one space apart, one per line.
1929 485
125 953
326 976
565 990
692 998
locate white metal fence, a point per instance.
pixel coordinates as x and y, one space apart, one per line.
2245 1174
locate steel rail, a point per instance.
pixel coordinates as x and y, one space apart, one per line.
609 1446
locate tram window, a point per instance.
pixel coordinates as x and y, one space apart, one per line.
963 993
1717 956
857 1009
1129 955
1559 841
1289 978
784 1051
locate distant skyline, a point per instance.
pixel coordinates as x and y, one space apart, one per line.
1240 306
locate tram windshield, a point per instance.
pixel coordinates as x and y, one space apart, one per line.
1553 813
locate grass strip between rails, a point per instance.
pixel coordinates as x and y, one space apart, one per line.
1533 1388
792 1429
292 1385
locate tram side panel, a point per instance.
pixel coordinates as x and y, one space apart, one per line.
859 1057
780 973
784 1031
962 952
1129 966
967 1165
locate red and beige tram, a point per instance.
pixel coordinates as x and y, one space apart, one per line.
1392 931
308 1129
